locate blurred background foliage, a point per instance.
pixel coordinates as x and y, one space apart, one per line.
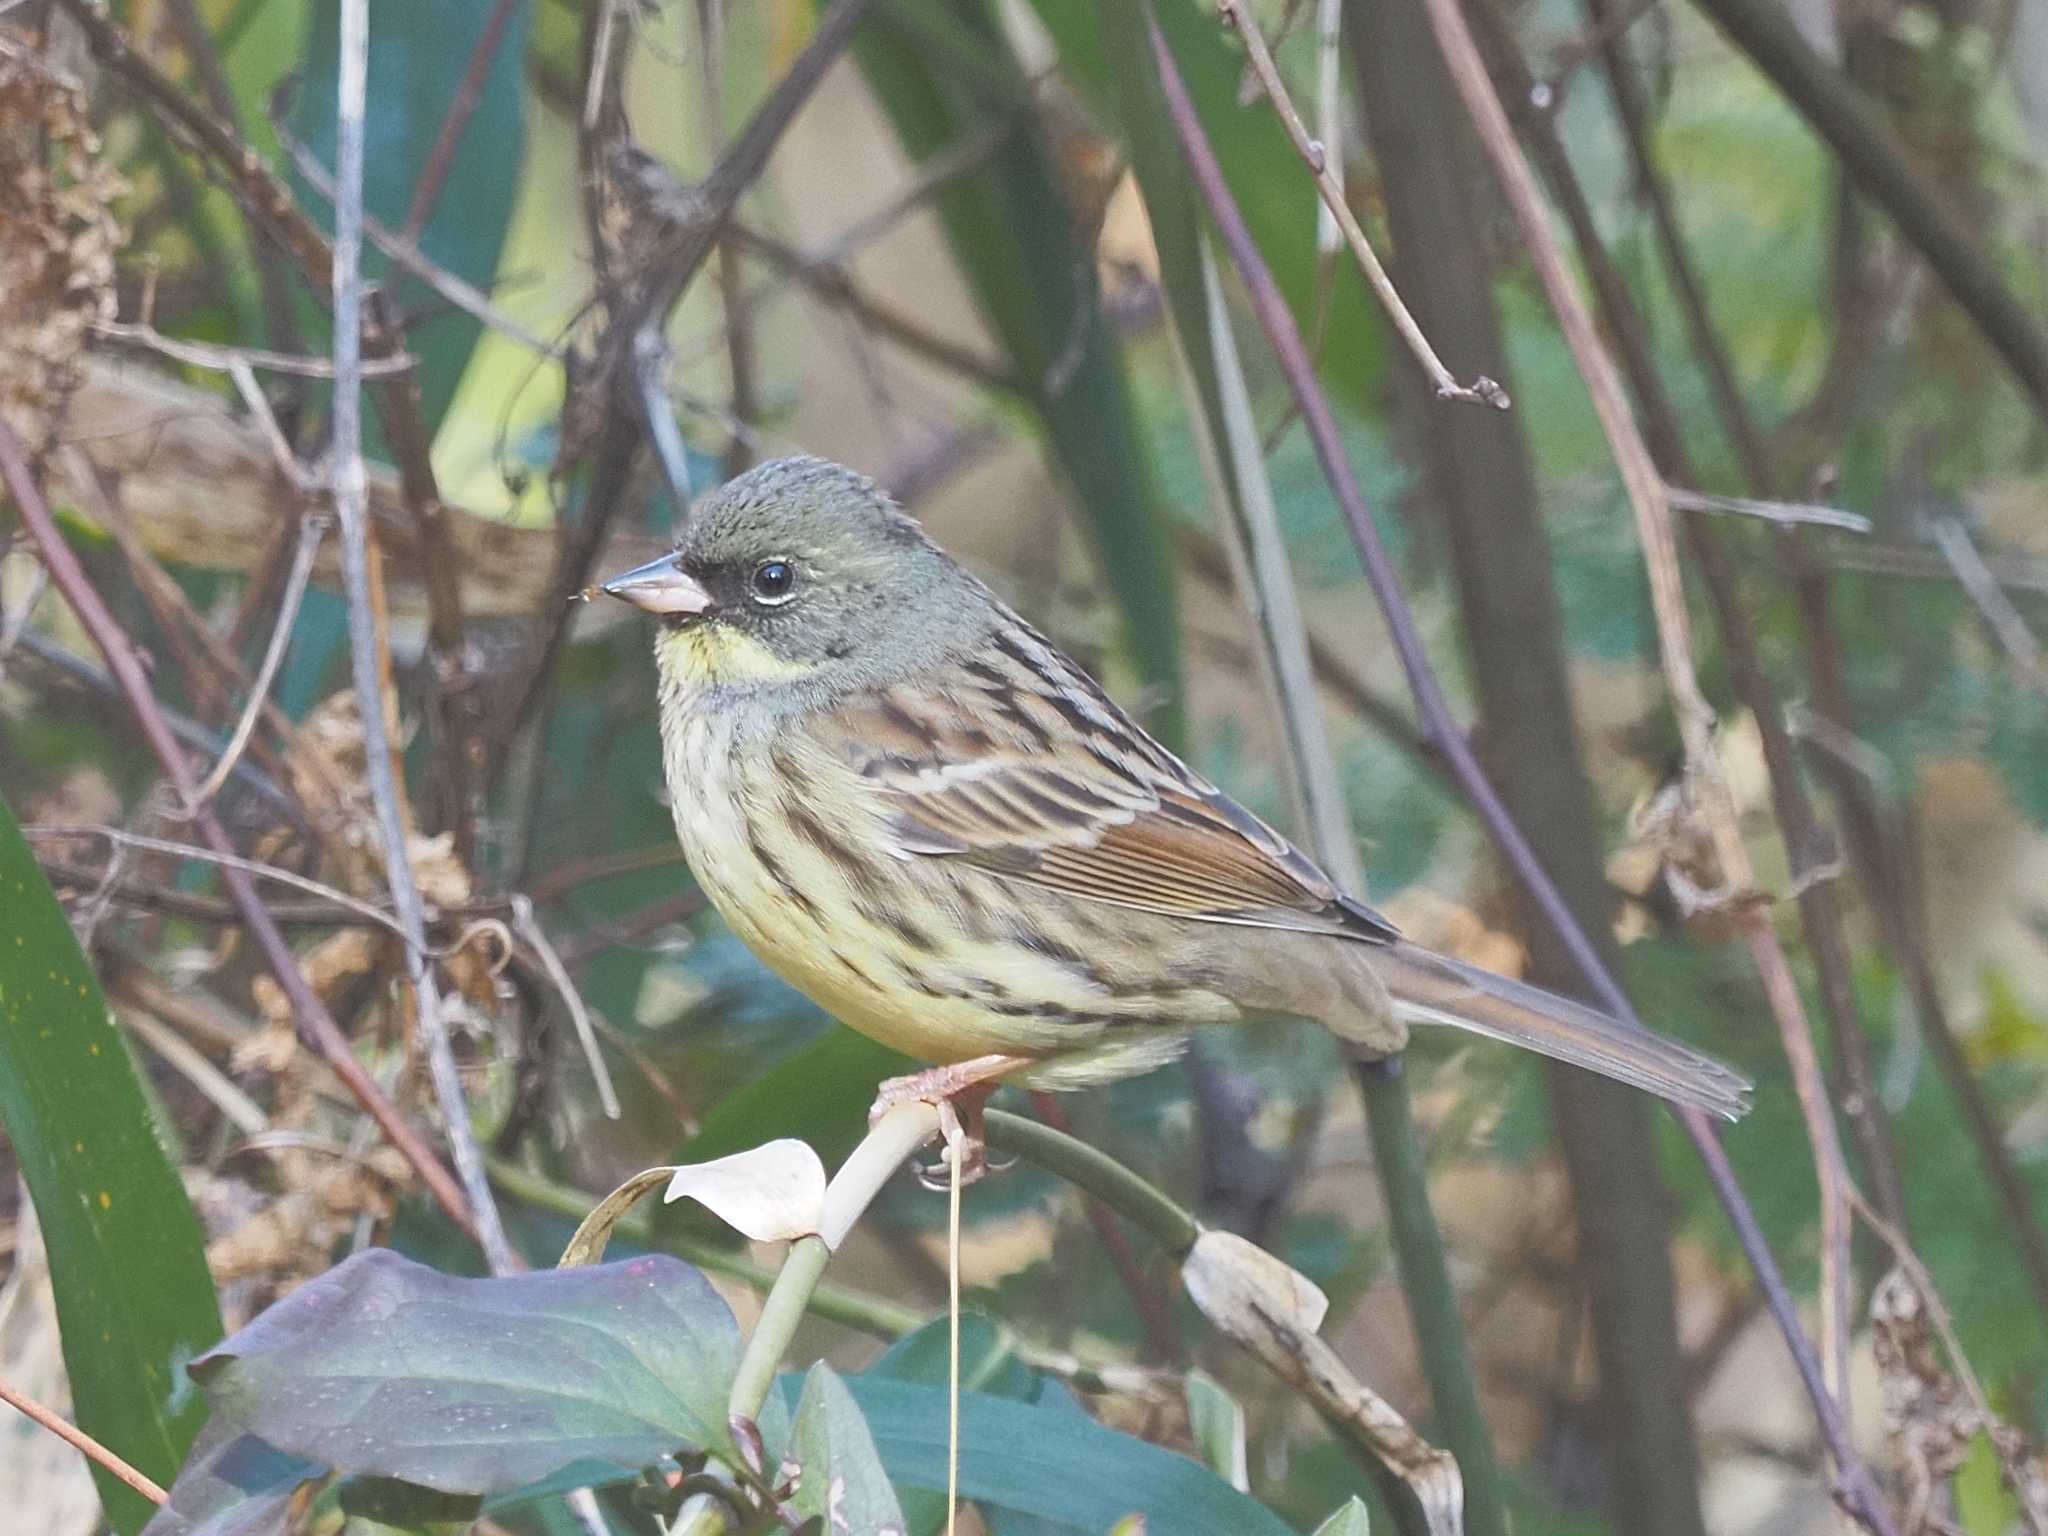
946 277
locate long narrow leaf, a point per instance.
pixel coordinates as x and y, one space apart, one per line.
128 1264
1034 281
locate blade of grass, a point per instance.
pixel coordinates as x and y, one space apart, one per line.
127 1259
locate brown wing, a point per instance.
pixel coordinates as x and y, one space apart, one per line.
1020 765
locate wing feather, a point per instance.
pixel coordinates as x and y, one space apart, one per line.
1023 767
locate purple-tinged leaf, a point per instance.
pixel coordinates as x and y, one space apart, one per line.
383 1366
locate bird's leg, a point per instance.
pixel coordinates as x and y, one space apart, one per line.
960 1090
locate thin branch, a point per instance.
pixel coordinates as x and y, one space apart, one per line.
833 282
1808 847
199 354
1856 131
186 1059
312 529
1155 1315
461 293
1786 514
1482 391
2003 620
1707 788
1417 1243
350 505
675 263
1611 20
181 727
536 939
733 302
151 896
1440 729
78 1439
255 868
1329 113
427 190
650 374
261 192
315 1023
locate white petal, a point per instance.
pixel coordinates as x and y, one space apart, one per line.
770 1193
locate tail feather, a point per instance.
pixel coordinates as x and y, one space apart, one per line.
1434 989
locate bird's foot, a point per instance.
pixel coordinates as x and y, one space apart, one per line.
960 1091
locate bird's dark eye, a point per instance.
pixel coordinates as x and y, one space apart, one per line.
774 581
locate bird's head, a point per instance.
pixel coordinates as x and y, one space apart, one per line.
802 572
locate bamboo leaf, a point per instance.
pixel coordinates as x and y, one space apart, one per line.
127 1260
939 72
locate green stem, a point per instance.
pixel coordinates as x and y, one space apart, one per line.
787 1302
835 1303
1140 1203
1432 1299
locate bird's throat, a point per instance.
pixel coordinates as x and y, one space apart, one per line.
700 656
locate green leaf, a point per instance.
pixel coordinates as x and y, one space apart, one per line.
1049 1461
1986 1505
987 1364
127 1260
1104 52
840 1477
943 72
233 1484
1217 1420
419 53
386 1367
389 1501
1352 1520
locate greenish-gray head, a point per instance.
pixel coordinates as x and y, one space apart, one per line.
801 568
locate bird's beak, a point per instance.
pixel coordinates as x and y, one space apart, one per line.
660 586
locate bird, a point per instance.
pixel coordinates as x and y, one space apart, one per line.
914 808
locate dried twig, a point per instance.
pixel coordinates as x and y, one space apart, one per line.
1707 783
315 1023
529 929
1806 841
406 253
59 1426
181 727
835 284
352 513
455 122
1439 728
312 530
1786 514
2003 620
1482 391
199 354
120 837
669 270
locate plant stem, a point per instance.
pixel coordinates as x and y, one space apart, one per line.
788 1299
1143 1205
364 650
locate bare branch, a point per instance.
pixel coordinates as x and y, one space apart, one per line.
71 1434
2004 621
314 1020
1787 514
1481 391
1440 729
350 505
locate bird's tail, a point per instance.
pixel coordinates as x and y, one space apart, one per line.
1430 988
